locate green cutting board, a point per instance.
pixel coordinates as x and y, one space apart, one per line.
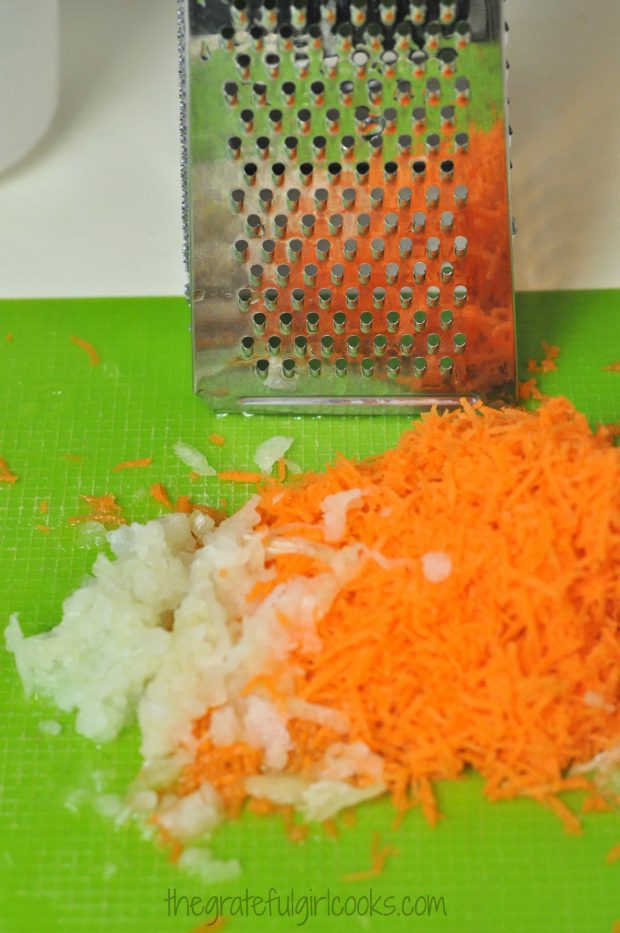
497 867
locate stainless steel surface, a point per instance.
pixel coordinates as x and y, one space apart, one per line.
344 160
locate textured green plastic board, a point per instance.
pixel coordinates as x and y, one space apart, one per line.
507 867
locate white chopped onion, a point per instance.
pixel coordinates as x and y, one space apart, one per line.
335 508
270 451
192 458
292 466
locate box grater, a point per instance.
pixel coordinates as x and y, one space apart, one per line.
347 212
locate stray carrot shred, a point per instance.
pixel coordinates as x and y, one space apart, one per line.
5 474
612 367
44 528
158 492
88 348
74 458
9 337
193 475
330 829
103 509
218 439
132 464
529 390
379 856
241 476
184 504
211 926
281 469
613 855
43 507
547 364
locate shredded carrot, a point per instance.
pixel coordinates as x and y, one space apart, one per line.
281 463
614 854
330 829
193 475
547 364
185 504
241 476
44 528
158 492
43 507
218 439
612 367
103 509
9 337
529 390
211 926
6 476
74 458
88 348
487 667
379 856
616 927
132 464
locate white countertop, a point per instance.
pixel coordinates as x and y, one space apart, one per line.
95 208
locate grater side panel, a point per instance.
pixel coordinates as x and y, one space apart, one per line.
349 218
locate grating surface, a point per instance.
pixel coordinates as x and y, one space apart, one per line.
506 867
348 205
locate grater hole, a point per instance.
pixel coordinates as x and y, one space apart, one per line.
293 196
237 199
247 347
283 273
255 274
259 322
364 273
275 119
320 198
262 368
310 274
268 249
285 322
273 345
337 274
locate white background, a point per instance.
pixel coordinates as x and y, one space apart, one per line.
95 208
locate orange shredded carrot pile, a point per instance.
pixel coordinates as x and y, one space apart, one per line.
132 464
218 439
378 857
104 509
88 348
6 476
612 367
613 855
159 493
487 668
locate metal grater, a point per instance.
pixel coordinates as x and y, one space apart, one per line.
347 215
